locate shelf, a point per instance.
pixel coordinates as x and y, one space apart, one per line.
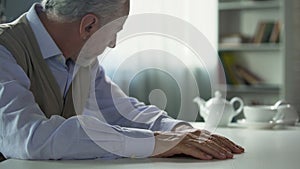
268 47
261 89
250 5
239 22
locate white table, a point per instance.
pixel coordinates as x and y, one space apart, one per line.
265 149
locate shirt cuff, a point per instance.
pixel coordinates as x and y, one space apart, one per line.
139 144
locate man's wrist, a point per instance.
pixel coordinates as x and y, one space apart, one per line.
182 127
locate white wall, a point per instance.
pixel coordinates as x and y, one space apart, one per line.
138 51
14 8
202 14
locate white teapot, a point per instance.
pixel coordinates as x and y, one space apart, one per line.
219 109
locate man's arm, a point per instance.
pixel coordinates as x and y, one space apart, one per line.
117 108
26 133
171 136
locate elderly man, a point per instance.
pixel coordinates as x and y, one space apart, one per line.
38 115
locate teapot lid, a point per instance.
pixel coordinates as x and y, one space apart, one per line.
217 99
218 94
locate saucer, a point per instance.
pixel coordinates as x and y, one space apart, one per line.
286 122
256 125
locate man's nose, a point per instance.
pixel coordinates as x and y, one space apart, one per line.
112 44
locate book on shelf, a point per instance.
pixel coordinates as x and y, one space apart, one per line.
231 39
235 73
228 61
234 39
247 76
267 32
275 35
259 33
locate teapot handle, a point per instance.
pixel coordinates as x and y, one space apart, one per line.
241 104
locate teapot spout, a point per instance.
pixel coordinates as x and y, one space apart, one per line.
199 101
202 109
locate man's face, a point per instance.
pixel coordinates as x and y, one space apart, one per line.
116 23
106 35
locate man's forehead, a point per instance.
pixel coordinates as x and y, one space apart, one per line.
121 15
124 11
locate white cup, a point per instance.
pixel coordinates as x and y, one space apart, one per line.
280 112
260 113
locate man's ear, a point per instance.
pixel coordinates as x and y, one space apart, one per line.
88 25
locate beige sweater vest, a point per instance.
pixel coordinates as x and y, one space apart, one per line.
19 39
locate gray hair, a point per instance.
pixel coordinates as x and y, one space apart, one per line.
72 10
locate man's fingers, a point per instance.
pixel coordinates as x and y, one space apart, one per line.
220 143
221 149
194 152
229 144
217 146
186 149
196 143
210 148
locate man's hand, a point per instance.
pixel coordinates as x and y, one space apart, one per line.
196 143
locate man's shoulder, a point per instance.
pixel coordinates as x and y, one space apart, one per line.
15 23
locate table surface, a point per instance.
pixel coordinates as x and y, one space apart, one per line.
265 149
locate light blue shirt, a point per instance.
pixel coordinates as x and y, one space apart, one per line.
26 133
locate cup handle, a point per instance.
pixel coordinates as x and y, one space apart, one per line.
241 104
278 116
278 103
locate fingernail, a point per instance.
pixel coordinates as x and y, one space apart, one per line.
223 155
239 148
238 151
208 156
229 155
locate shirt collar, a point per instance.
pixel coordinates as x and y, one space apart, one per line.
45 42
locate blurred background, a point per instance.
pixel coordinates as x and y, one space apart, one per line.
257 42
